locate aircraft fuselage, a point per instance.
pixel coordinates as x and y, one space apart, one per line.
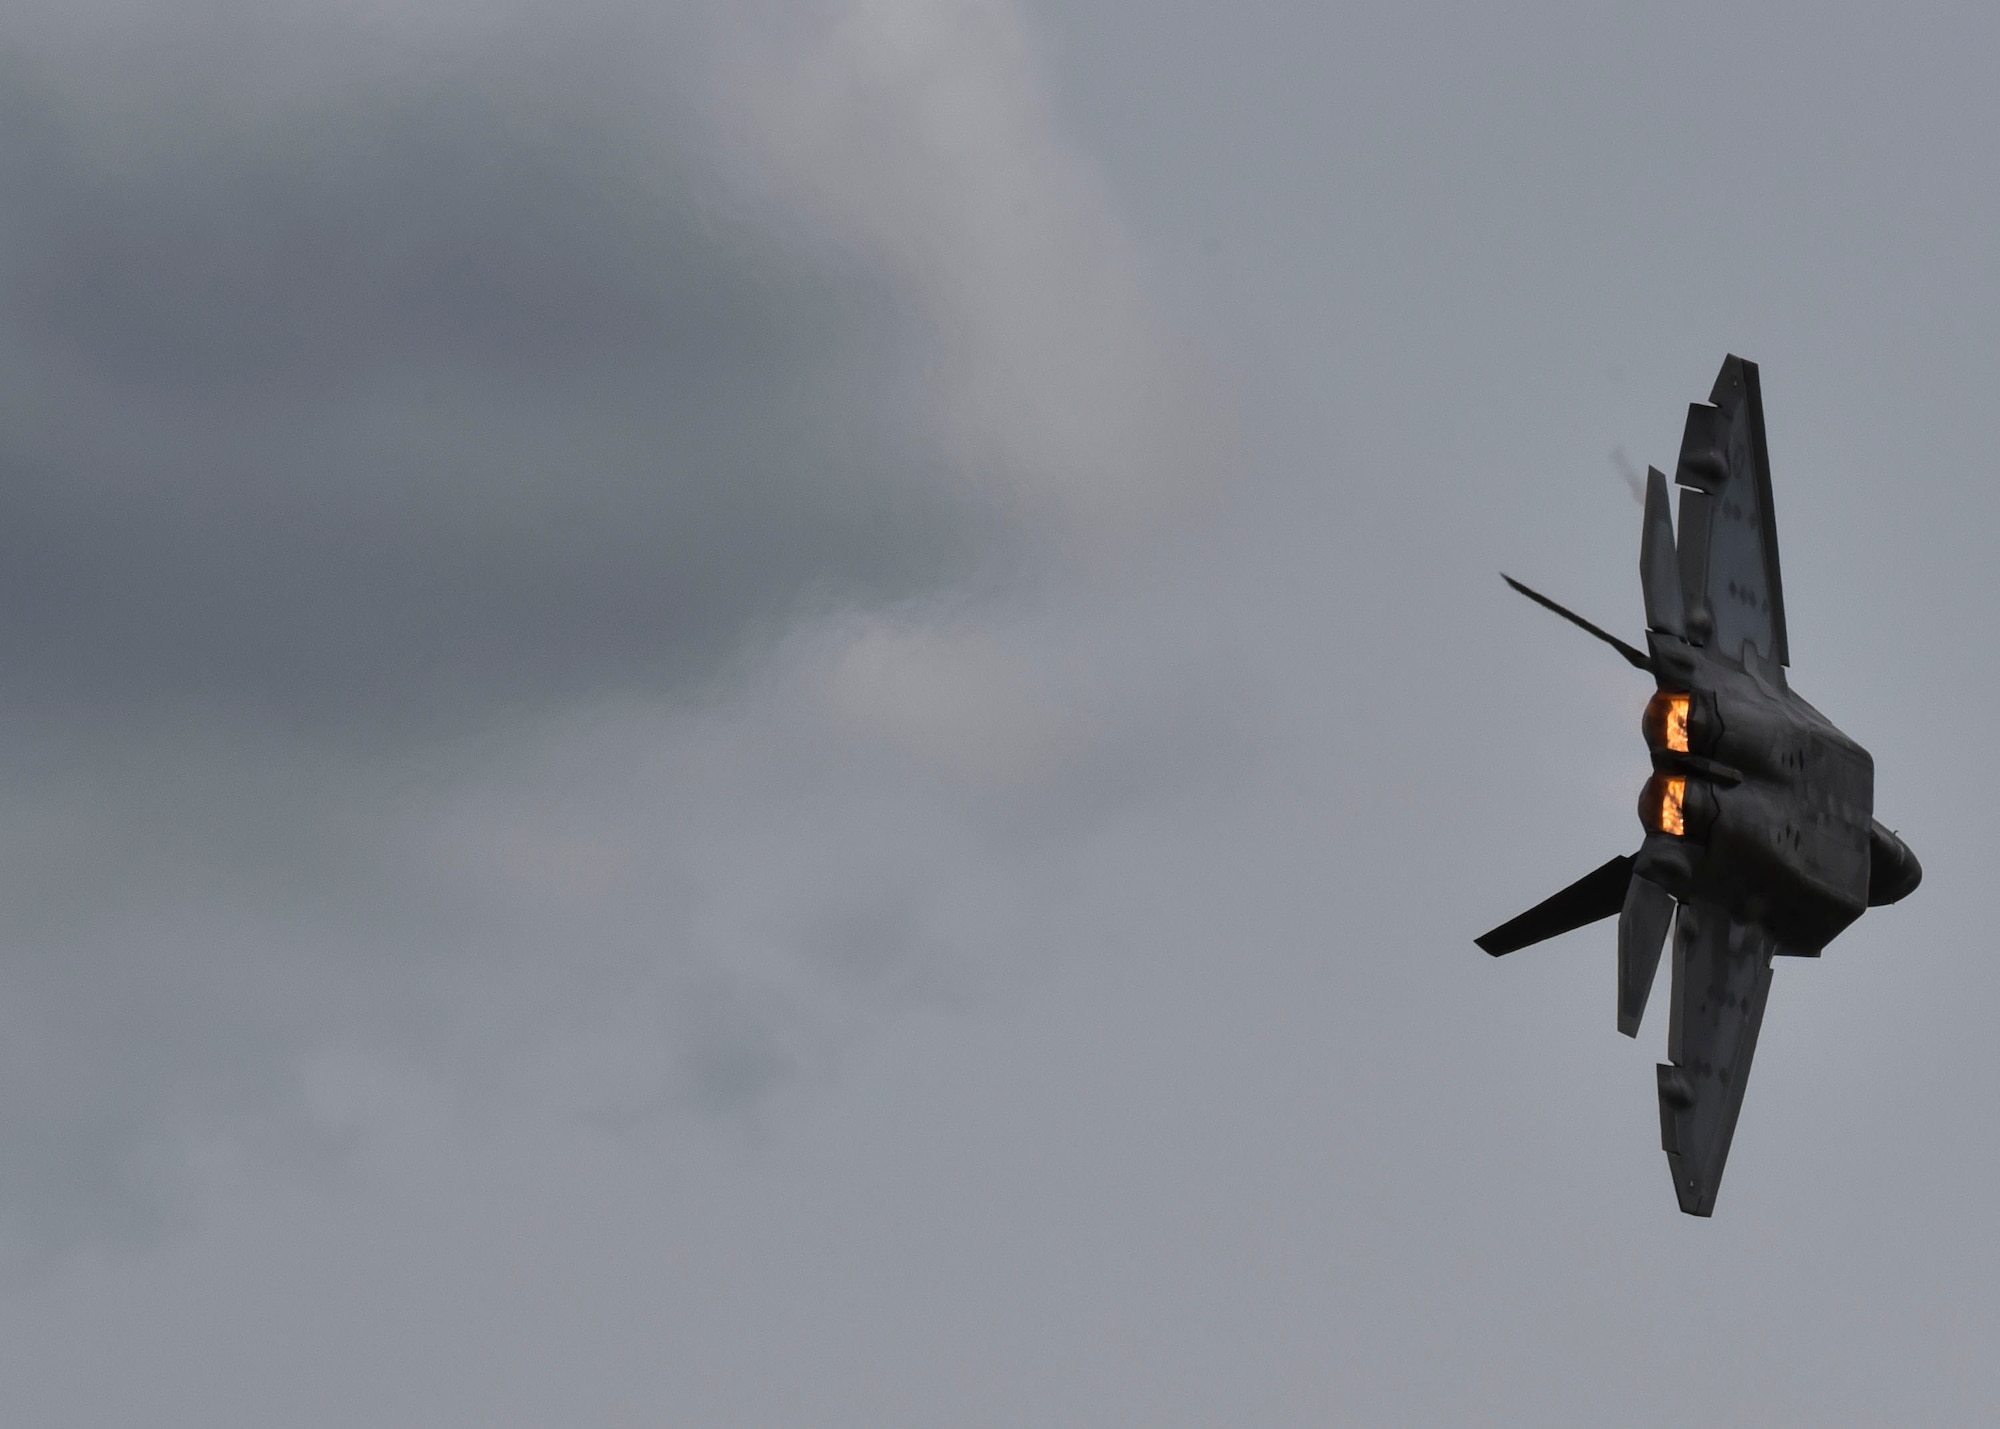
1777 803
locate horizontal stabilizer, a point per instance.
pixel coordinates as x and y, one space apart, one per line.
1598 894
1633 655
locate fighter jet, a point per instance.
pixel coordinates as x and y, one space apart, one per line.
1760 835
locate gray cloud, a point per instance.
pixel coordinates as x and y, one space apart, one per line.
938 996
431 393
447 464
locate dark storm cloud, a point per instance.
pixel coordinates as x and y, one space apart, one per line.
444 388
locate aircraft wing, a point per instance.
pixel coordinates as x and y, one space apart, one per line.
1722 975
1728 537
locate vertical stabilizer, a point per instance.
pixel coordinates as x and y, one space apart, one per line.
1659 564
1642 932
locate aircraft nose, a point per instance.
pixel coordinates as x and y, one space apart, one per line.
1893 871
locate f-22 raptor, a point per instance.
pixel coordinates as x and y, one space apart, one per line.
1760 836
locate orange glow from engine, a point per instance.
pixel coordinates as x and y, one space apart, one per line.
1672 798
1666 722
1663 805
1677 726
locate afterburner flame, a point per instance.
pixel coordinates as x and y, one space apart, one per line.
1666 722
1663 805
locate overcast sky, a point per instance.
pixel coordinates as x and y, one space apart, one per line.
795 712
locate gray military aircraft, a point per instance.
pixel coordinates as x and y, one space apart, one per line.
1760 830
